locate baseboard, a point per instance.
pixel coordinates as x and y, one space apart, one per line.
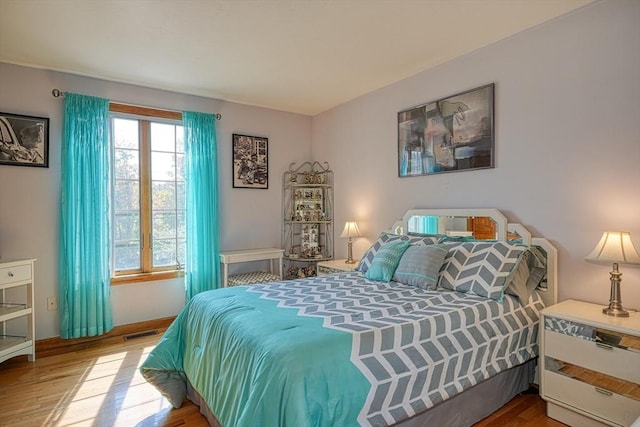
56 345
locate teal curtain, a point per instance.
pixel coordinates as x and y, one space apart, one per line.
202 264
85 280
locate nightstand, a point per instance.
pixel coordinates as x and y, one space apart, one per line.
590 365
335 266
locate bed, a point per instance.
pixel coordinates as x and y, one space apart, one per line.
429 330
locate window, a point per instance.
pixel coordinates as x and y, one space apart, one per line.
148 203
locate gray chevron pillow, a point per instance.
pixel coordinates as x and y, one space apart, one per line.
479 268
385 237
420 265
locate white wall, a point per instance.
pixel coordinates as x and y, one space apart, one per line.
567 108
29 197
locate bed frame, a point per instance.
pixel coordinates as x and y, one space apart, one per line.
504 231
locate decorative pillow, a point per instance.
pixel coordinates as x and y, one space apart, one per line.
420 265
386 260
385 237
527 275
479 268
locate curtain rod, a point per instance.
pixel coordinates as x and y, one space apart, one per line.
57 93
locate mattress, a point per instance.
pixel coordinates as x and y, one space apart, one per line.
337 350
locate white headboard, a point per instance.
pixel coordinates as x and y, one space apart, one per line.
503 231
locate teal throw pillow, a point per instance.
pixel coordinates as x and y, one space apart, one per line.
386 260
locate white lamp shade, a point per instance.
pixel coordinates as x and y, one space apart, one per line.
615 246
350 230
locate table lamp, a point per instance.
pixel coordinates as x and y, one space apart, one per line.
615 247
350 230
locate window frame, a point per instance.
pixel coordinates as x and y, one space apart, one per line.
149 115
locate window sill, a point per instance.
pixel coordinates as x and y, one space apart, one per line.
146 277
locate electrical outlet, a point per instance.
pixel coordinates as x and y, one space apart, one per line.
52 303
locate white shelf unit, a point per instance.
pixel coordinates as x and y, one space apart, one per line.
307 218
15 274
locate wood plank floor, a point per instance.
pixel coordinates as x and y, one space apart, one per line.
100 386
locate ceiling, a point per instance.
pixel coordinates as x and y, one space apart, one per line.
302 56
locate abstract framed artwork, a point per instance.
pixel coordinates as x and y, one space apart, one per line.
448 135
250 162
24 140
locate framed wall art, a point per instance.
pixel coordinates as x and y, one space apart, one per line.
447 135
250 162
24 140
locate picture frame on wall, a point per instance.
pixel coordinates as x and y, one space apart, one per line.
250 161
451 134
24 140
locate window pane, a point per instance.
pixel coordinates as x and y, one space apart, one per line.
163 137
180 196
127 256
179 139
126 195
163 166
182 252
164 224
163 195
164 252
127 225
127 165
180 167
125 133
182 224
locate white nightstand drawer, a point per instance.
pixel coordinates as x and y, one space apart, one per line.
15 274
609 360
598 402
335 266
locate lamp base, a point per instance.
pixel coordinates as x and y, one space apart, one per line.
615 302
350 259
615 312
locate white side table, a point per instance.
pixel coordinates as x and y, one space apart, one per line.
335 266
273 255
590 365
15 273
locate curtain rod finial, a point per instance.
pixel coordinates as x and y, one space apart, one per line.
56 93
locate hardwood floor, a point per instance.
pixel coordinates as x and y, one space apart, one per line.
99 385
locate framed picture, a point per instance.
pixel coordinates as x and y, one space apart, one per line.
250 162
447 135
24 140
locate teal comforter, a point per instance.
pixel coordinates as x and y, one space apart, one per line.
337 350
257 364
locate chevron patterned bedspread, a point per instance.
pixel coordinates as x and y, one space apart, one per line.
337 350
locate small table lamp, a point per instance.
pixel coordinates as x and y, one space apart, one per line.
350 230
615 247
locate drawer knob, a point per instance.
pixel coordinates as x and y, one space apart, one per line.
603 391
10 274
604 346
